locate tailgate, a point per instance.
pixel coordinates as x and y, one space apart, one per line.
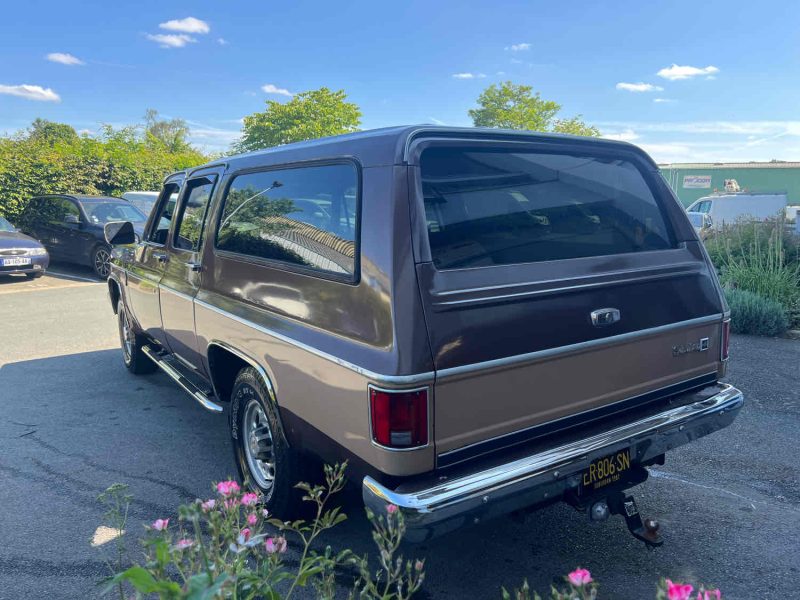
523 248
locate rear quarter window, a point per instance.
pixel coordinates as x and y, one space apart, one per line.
488 207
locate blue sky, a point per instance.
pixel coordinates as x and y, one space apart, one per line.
701 81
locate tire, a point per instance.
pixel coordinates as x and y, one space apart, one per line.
34 275
255 426
101 261
135 360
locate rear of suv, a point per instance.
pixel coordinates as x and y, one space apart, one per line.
479 321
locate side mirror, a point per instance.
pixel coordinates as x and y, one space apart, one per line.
119 233
72 220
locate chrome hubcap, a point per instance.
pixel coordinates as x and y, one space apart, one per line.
258 445
126 333
102 262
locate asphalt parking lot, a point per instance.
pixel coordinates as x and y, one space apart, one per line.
73 421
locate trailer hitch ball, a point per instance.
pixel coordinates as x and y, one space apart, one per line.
599 511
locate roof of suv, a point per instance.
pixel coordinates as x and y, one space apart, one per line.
84 197
390 145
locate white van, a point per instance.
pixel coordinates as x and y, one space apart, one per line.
144 201
731 207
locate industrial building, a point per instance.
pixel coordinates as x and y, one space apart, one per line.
691 181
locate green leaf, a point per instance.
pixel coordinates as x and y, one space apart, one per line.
200 588
138 577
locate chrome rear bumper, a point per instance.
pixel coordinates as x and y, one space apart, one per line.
448 504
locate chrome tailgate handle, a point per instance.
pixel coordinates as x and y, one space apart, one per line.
603 317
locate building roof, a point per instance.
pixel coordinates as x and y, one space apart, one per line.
778 164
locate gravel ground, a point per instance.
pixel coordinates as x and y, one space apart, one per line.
73 422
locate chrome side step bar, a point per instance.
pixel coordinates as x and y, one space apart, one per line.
206 399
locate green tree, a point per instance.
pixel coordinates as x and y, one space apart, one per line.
172 133
512 106
308 115
51 133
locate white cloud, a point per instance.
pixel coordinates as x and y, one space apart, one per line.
222 41
187 25
516 61
64 58
628 135
30 92
273 89
519 47
663 100
675 72
639 87
171 40
758 128
468 75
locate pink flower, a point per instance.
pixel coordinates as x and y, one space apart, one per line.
226 488
264 513
710 595
276 544
679 591
208 505
160 524
245 534
184 544
249 499
252 519
580 577
391 509
231 503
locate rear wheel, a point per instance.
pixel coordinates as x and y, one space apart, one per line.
266 463
101 261
135 360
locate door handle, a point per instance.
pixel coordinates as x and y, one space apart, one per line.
194 267
162 258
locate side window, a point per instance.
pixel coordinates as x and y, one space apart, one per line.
60 211
305 217
192 214
165 208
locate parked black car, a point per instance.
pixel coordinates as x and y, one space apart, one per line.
20 254
71 226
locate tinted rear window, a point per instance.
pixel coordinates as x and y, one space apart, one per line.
497 207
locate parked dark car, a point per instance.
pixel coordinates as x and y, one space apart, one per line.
19 253
71 226
479 321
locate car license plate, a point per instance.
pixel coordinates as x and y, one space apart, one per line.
605 471
16 262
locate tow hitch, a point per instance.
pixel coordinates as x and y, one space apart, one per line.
619 503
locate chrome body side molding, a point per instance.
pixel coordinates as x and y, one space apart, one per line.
448 504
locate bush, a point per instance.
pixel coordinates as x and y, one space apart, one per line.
755 315
753 257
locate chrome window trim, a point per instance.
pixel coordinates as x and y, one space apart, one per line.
428 377
429 406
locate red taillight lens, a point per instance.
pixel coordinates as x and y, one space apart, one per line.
726 339
399 419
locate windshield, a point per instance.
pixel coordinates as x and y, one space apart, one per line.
6 226
106 212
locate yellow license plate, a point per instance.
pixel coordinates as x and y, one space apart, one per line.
605 471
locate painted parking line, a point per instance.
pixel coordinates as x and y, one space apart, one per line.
73 277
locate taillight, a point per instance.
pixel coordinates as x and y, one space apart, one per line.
726 339
399 418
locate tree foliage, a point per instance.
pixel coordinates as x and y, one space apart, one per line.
512 106
47 159
171 134
308 115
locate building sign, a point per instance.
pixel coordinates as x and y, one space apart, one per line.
697 181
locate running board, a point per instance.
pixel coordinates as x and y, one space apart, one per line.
174 371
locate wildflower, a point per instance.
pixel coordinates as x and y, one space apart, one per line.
679 591
184 544
581 577
231 503
276 544
252 519
391 509
226 488
264 513
709 595
249 499
160 524
244 535
419 565
208 505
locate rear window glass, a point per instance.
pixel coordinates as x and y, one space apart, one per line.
497 207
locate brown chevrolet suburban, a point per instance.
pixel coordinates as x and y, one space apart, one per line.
479 321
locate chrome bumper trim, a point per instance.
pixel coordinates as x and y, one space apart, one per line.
542 477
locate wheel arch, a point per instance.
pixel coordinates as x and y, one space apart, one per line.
224 364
